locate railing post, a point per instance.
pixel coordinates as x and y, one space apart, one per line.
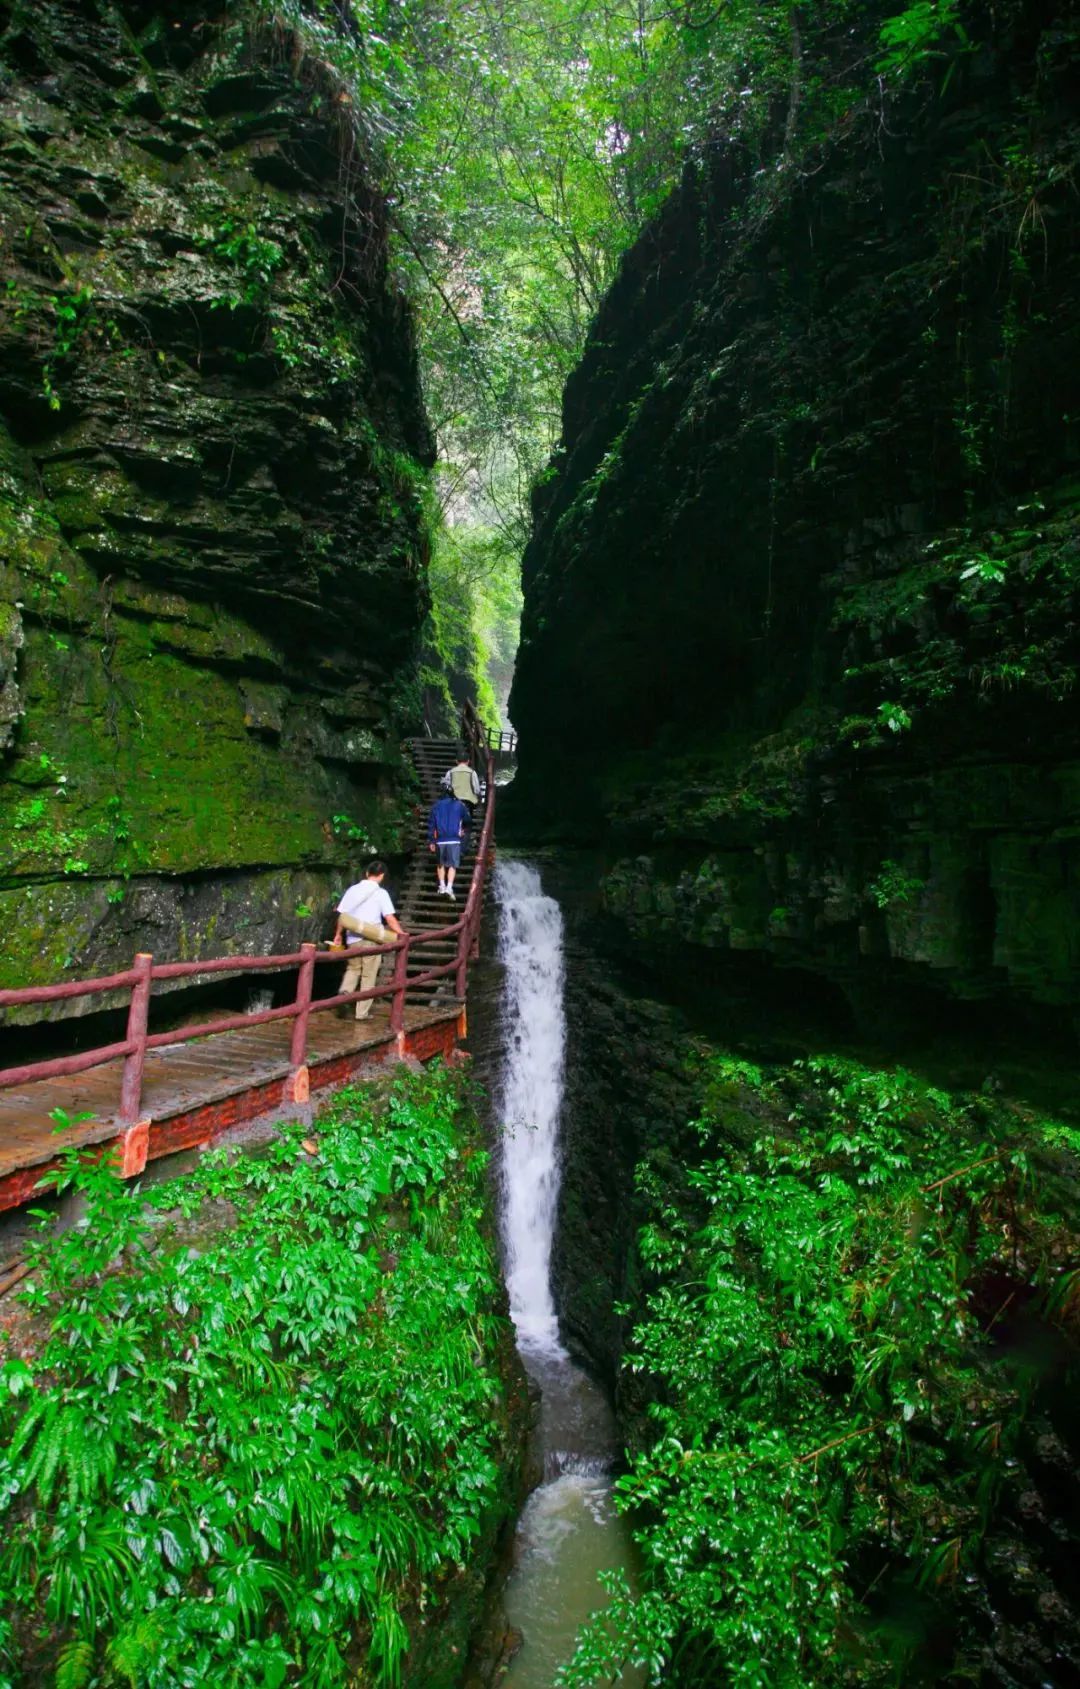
138 1017
397 1002
298 1083
462 961
305 981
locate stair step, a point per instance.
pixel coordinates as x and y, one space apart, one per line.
422 911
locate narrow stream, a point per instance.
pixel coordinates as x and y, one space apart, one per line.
569 1529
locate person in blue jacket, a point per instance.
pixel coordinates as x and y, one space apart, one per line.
447 826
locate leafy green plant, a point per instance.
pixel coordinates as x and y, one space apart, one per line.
73 317
346 828
981 567
915 35
893 884
894 717
248 1446
825 1420
254 258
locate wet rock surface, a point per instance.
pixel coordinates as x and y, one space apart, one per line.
211 450
799 645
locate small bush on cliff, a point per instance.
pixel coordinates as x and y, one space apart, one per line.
830 1425
257 1437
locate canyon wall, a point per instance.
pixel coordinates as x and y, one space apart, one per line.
212 454
800 647
797 711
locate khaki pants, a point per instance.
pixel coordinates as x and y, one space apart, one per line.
360 975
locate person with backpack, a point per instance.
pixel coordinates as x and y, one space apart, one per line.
366 916
462 782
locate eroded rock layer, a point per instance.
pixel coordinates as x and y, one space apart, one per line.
211 455
800 641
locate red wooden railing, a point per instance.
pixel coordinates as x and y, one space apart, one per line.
139 978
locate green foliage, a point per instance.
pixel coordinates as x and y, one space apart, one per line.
893 884
913 36
472 630
59 323
827 1418
75 1666
981 607
525 145
252 257
262 1424
893 717
346 828
48 828
74 317
69 317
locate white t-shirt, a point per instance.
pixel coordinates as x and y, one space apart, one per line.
365 901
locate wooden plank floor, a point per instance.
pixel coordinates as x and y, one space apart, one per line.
182 1077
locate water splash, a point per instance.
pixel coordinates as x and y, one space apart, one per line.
531 951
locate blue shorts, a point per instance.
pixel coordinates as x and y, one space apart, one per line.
449 854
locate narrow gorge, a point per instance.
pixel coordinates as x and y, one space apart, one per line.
699 1305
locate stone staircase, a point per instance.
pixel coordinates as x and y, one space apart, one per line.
419 907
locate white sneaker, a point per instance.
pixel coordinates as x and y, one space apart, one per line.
452 894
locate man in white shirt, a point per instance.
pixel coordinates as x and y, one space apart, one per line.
365 915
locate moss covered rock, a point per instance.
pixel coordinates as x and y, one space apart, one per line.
800 637
212 459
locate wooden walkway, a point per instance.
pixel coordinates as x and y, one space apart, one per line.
194 1091
179 1094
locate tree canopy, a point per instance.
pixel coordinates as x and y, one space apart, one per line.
523 144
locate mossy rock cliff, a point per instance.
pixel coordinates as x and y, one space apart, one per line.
800 637
213 454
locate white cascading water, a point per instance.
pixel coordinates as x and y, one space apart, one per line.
569 1530
531 951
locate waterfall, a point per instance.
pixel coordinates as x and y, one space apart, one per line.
530 949
569 1530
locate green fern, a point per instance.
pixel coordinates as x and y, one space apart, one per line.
63 1449
135 1648
294 1470
75 1664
